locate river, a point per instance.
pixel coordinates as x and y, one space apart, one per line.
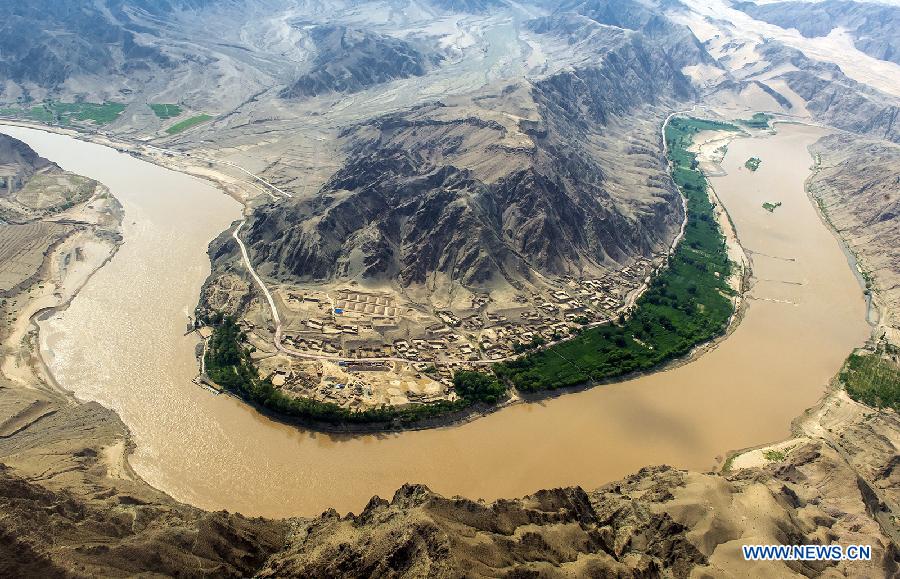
121 343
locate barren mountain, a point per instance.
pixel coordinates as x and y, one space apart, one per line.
74 39
873 25
833 98
72 507
17 158
349 60
556 176
469 6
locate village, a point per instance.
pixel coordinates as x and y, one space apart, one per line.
360 348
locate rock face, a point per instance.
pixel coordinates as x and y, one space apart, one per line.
65 526
676 40
873 25
553 533
468 6
557 176
19 159
349 60
834 98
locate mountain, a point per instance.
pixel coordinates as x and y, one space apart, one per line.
468 6
834 98
46 43
18 158
873 26
349 60
462 191
675 40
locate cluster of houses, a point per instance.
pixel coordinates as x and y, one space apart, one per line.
378 347
360 384
362 325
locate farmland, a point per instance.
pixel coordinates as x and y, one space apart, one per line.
54 112
22 249
166 111
187 124
873 380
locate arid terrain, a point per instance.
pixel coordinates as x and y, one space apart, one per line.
496 180
429 187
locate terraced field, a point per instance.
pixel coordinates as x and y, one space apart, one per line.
22 249
55 191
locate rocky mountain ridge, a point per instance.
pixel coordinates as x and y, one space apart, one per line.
18 158
460 189
872 25
349 60
73 508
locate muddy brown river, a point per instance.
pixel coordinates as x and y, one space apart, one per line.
121 343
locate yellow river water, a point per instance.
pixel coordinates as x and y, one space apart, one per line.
121 343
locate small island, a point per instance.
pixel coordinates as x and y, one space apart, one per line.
753 163
758 121
771 207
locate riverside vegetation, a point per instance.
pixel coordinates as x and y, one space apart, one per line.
873 379
687 303
757 121
60 113
229 365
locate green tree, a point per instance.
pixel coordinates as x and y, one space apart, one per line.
478 387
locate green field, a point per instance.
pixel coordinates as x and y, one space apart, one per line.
753 163
166 111
187 124
688 303
872 380
52 112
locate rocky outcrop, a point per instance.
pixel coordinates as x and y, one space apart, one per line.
553 533
71 39
349 60
17 158
468 6
676 41
70 506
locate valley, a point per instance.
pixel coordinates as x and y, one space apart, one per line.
186 454
325 253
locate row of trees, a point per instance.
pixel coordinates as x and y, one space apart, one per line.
687 303
228 364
